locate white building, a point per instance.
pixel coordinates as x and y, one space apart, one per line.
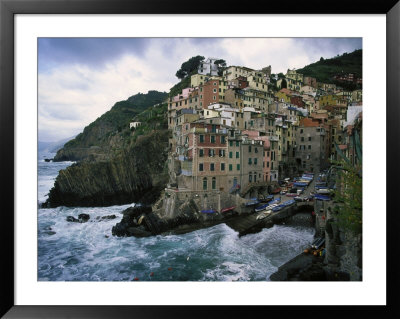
134 124
208 67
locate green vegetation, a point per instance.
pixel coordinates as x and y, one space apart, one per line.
177 88
348 195
325 69
151 119
189 66
114 124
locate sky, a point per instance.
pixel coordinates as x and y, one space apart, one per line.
79 79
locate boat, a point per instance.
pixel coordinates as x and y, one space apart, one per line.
321 197
227 209
319 244
275 201
316 240
261 207
269 198
292 194
300 184
271 206
323 191
277 208
208 211
263 214
252 203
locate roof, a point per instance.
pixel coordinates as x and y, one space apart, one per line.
286 91
308 122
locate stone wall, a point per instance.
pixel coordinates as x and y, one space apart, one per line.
171 202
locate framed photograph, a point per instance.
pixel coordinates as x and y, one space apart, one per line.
161 159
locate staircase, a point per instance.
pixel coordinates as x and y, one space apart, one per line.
250 186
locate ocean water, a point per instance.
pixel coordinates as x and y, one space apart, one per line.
88 251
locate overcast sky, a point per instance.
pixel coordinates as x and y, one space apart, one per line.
82 78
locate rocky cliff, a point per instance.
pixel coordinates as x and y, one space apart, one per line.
138 174
110 135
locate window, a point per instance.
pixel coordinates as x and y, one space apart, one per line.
215 83
267 153
237 142
249 148
222 166
212 167
309 147
214 183
238 167
302 138
223 141
255 161
231 143
237 154
201 167
309 138
250 178
230 154
221 153
201 138
267 164
214 97
201 152
212 138
255 150
301 131
230 167
205 183
211 152
214 90
250 161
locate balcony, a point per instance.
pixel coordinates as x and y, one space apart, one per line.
273 138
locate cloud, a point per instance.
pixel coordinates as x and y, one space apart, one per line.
80 79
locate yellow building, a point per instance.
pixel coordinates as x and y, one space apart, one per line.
294 80
357 96
257 81
329 99
233 72
283 94
197 80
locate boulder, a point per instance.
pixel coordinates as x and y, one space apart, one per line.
83 218
72 219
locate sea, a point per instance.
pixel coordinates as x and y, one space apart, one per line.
88 251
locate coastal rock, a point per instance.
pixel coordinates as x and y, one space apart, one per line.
109 217
129 224
82 218
137 175
72 219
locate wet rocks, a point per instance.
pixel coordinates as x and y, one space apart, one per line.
138 174
131 222
107 217
82 218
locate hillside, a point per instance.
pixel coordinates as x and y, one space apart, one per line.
325 69
109 134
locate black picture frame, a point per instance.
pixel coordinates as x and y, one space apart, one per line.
8 8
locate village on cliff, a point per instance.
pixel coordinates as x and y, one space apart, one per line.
235 129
